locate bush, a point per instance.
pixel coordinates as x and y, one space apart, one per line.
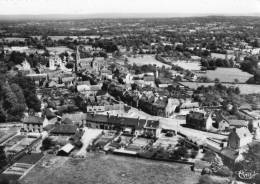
206 170
206 179
194 153
47 143
224 171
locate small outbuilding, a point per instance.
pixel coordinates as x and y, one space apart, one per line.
66 150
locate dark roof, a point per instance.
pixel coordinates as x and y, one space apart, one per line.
67 121
49 114
125 121
136 122
64 129
237 123
101 93
33 120
152 124
48 127
97 118
148 78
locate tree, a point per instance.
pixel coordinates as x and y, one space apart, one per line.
17 57
236 81
216 80
3 158
47 143
29 91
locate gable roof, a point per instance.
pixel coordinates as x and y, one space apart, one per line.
66 149
122 121
242 132
237 123
75 117
32 120
64 129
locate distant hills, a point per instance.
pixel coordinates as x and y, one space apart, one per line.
113 15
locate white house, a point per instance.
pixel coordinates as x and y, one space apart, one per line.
239 137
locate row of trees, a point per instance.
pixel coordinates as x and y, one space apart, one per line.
214 63
16 95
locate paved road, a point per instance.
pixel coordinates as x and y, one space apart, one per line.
175 124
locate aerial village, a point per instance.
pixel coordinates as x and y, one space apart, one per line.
97 98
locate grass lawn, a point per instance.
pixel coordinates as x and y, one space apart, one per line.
146 60
30 158
228 75
108 169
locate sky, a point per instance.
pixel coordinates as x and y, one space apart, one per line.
129 6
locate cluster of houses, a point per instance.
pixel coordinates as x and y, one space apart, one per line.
69 123
240 133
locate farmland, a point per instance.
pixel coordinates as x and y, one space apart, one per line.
227 75
99 168
185 64
146 60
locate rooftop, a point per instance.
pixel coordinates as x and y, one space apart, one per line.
32 120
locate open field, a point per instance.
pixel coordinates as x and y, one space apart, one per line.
244 88
227 75
185 64
11 39
108 169
146 60
58 50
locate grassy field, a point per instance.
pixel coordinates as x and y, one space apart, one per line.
244 88
185 64
146 60
108 169
59 50
227 75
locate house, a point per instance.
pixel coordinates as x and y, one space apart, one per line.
187 106
68 81
95 108
89 90
222 122
171 106
24 66
75 118
33 124
225 124
64 130
237 123
151 128
239 137
55 62
135 126
114 122
199 120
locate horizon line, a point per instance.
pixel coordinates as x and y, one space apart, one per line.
123 15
